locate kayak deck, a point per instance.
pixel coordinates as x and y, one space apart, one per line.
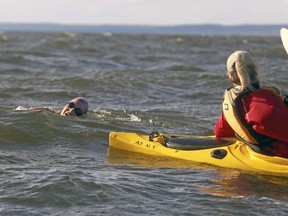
230 153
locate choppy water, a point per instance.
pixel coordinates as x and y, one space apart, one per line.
52 165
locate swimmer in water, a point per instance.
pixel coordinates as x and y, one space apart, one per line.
76 107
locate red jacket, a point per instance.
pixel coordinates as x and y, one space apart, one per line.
266 112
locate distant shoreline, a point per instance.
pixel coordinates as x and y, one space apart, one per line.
206 29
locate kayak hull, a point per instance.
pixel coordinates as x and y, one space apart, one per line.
236 155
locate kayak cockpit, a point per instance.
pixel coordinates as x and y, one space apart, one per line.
189 142
194 143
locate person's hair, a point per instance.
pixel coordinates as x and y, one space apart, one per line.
241 63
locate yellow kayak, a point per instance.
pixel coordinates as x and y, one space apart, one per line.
228 153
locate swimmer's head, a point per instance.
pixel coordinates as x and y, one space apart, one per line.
78 106
81 103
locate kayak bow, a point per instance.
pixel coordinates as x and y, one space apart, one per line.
228 153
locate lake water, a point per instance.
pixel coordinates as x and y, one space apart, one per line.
54 165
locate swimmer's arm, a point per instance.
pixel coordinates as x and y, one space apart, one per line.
36 108
42 108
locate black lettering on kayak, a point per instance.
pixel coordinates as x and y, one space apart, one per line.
139 143
150 146
147 145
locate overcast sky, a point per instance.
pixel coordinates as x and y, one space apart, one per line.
151 12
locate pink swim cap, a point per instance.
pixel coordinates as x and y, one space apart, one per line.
81 103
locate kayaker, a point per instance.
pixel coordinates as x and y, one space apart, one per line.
76 107
253 113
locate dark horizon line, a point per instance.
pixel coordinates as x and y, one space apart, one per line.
252 29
